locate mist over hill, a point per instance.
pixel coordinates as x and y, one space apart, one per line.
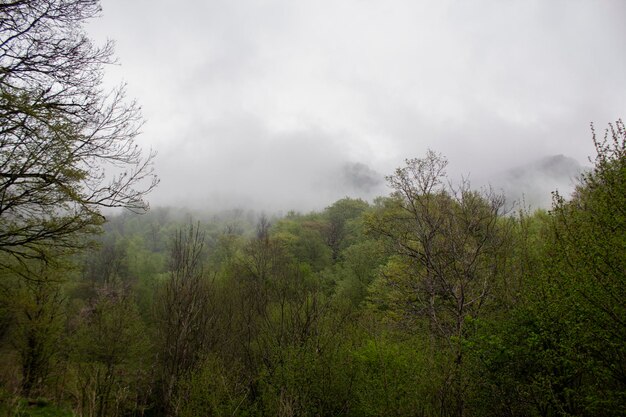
532 184
529 184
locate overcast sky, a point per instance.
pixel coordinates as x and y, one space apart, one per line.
282 104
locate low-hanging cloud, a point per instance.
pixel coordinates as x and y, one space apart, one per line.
285 104
243 163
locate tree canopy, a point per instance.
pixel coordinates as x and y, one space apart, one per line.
432 301
67 146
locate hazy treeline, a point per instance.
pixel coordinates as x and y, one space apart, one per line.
432 301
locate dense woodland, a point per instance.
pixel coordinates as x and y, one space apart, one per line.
436 300
432 301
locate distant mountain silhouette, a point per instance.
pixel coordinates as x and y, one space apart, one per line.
532 184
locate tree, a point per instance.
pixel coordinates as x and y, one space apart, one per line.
185 315
586 269
338 215
67 147
450 246
108 349
560 350
452 239
37 307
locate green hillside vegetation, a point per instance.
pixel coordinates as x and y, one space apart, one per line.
431 301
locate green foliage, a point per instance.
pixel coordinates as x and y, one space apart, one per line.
589 259
214 389
302 238
108 354
396 378
449 250
430 302
36 309
310 380
357 271
342 226
561 350
60 131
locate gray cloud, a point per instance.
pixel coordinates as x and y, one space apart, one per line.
284 104
531 185
361 178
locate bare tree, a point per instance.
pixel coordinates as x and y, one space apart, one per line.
452 242
185 315
67 147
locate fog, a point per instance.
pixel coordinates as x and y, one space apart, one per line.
280 105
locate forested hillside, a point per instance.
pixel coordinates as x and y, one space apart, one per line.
439 299
431 301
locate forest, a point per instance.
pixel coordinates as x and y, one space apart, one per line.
438 299
432 301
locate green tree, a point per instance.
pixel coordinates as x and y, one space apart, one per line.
451 247
108 351
337 229
302 237
588 250
358 269
185 316
37 308
560 350
67 147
